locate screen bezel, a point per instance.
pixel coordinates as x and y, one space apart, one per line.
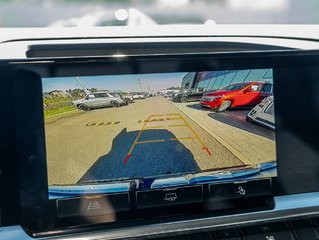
30 133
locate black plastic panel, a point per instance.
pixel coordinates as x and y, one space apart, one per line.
107 49
297 115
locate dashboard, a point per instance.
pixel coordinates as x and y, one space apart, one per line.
112 133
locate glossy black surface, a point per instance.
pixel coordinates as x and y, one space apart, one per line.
93 206
237 190
296 117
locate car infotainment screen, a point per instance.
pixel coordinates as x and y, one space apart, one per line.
157 130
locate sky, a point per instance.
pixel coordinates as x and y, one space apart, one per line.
125 83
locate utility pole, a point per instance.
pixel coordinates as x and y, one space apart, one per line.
139 82
81 84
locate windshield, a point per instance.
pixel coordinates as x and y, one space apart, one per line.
70 13
235 86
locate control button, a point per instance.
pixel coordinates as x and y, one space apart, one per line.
93 205
305 229
273 231
201 236
169 197
240 189
228 234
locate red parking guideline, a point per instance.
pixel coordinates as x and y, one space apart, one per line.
206 149
126 158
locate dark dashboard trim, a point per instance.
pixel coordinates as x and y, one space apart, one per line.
291 206
201 223
221 55
161 36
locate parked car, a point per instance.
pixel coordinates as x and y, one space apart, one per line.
98 100
128 99
194 94
263 113
246 94
138 95
170 93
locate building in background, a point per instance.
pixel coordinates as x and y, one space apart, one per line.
214 80
188 81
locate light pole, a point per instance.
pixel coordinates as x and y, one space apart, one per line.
81 84
139 82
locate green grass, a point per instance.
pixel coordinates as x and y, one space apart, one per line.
53 112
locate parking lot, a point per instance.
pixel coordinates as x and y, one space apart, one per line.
249 142
149 137
235 118
153 136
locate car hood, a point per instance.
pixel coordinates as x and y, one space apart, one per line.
219 92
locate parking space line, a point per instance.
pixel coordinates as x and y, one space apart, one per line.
177 125
172 119
150 141
160 119
173 114
101 123
183 138
155 120
154 127
152 120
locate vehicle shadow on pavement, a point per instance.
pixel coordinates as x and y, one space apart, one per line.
237 118
156 152
197 106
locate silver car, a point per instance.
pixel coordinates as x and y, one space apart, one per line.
263 113
128 99
138 95
98 100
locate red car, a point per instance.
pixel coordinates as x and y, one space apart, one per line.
244 94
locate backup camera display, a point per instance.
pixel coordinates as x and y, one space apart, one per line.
179 128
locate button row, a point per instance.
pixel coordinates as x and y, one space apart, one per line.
111 203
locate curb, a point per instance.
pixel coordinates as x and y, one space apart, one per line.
234 151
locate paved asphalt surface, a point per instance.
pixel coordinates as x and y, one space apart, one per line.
237 118
108 143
